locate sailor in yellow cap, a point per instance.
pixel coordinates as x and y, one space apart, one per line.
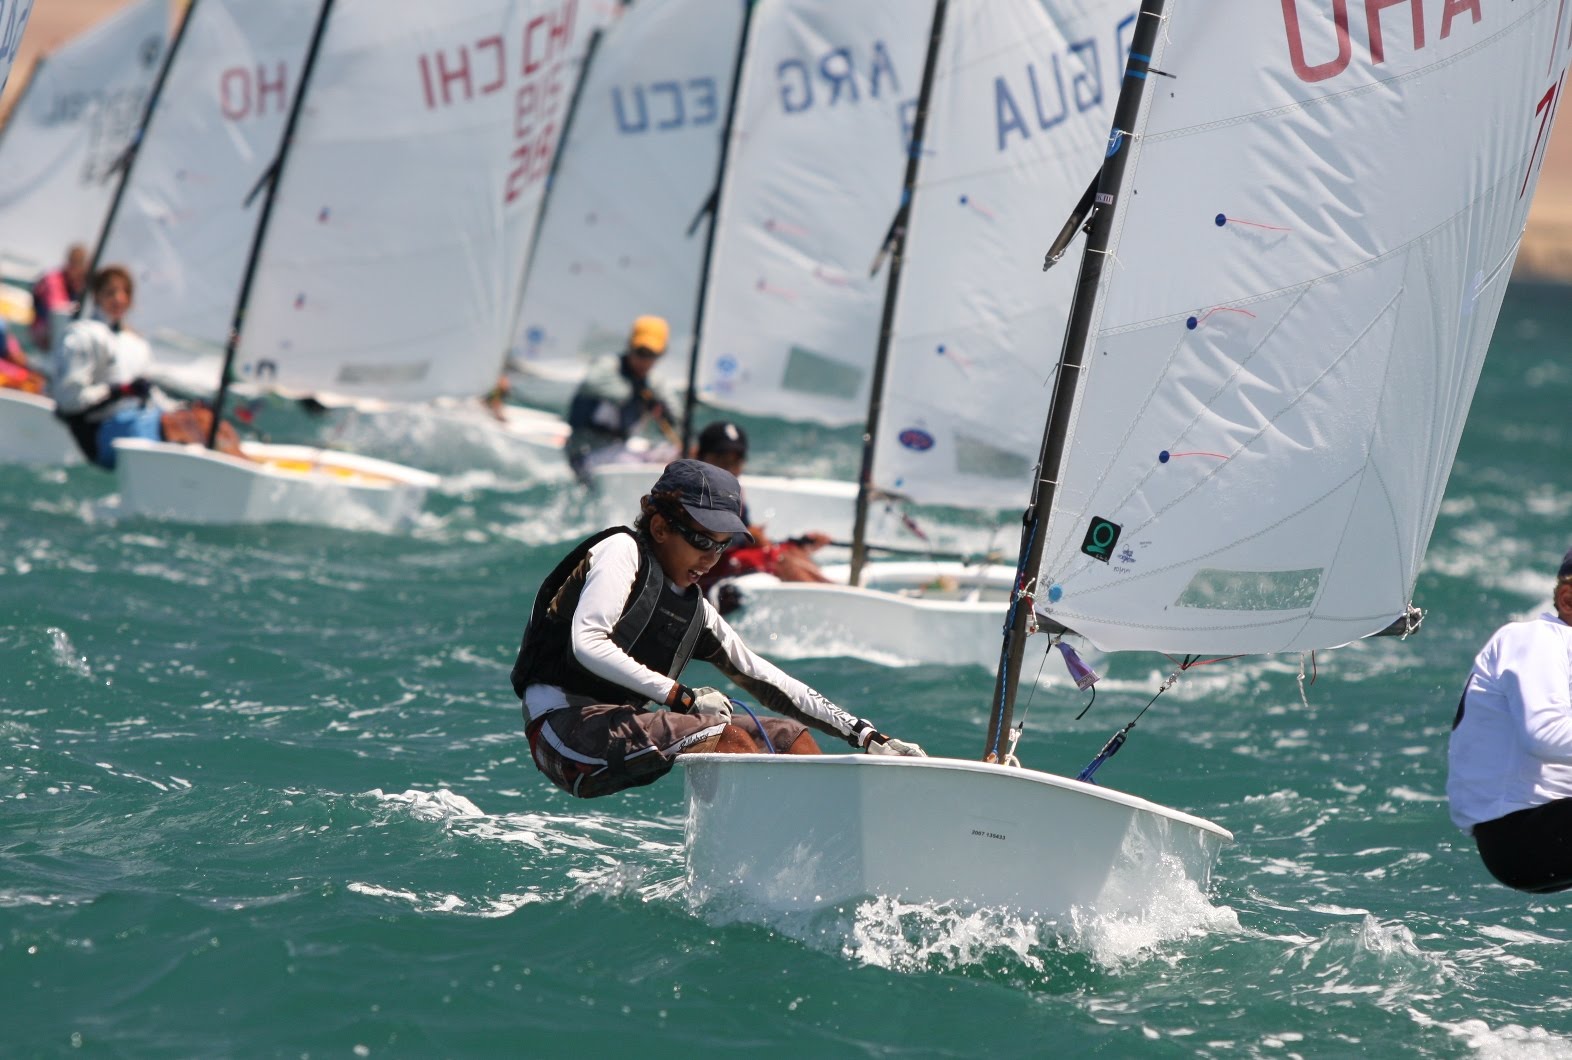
618 402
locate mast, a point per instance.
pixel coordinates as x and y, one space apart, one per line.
712 207
551 178
271 177
1067 377
128 159
895 247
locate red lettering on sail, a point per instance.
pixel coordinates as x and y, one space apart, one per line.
1546 109
243 91
1296 47
493 45
1373 9
462 73
1454 8
1375 32
457 73
234 93
277 87
547 38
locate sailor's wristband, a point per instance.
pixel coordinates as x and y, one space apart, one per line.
864 733
680 698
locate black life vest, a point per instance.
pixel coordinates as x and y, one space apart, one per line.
658 628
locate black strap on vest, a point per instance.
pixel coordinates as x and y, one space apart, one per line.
662 638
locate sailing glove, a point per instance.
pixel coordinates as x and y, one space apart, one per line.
712 702
708 701
137 388
884 745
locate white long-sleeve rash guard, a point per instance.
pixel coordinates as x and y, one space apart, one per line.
1513 748
613 567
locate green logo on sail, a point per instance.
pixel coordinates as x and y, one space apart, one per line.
1101 537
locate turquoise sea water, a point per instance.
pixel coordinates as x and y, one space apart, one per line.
263 792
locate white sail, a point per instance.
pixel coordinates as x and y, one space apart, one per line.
1320 213
70 127
812 181
13 21
638 163
391 264
187 216
1017 123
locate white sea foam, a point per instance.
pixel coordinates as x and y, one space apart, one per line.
439 805
1509 1041
65 653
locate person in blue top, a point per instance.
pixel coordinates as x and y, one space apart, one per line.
615 402
99 382
1509 776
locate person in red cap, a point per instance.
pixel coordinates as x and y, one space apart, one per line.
725 444
617 400
612 628
1509 761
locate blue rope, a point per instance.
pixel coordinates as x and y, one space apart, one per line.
755 717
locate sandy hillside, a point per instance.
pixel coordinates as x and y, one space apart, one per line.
1547 247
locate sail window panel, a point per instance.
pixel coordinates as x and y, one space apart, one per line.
1240 590
809 372
382 374
982 457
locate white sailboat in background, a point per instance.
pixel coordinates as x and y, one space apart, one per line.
182 215
1018 116
69 129
788 316
459 262
186 214
1255 413
624 226
350 264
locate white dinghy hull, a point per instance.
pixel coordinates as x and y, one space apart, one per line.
785 507
278 484
939 612
30 433
933 830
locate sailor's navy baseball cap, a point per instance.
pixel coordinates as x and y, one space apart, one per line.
711 497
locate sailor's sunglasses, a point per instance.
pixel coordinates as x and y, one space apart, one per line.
697 538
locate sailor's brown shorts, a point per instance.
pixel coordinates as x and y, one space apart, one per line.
600 749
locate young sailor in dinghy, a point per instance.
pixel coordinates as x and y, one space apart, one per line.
99 383
1510 759
612 628
616 400
101 391
725 444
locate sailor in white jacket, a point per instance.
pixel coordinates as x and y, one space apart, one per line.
1510 758
99 380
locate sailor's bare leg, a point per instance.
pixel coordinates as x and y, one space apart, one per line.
804 745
